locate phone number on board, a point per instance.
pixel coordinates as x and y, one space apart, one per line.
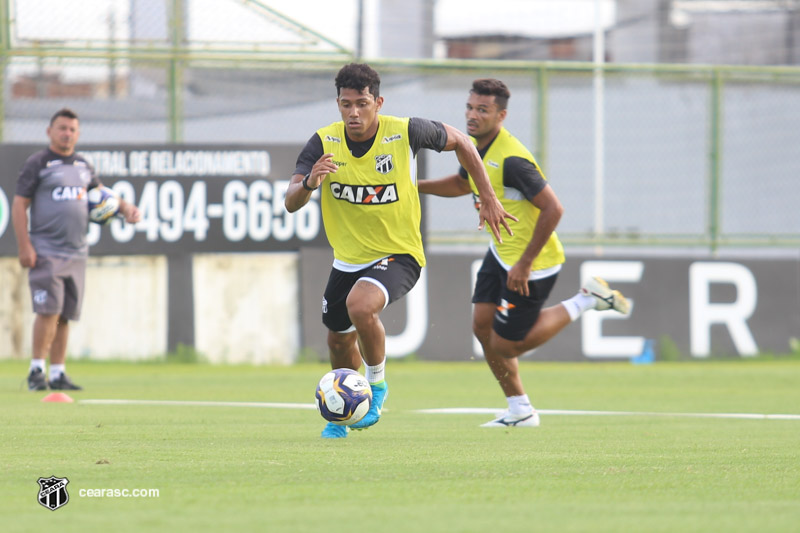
248 210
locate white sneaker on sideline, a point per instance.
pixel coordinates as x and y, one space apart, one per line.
605 296
506 420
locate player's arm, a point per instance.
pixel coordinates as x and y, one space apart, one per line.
550 213
311 169
27 184
19 218
491 210
129 211
526 177
448 186
302 186
431 134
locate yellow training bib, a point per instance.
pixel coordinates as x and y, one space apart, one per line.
370 206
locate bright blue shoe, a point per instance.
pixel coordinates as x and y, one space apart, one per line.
332 431
379 393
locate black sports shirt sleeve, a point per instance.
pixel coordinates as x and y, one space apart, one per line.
309 155
523 175
424 133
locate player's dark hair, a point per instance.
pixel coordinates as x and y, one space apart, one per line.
357 76
64 112
492 87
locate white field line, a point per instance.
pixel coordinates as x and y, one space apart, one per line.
201 403
482 410
447 411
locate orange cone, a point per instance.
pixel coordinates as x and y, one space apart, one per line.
58 397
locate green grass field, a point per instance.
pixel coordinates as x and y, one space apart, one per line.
224 468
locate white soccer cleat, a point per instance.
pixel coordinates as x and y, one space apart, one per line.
606 297
507 420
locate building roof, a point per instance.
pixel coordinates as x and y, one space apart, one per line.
526 18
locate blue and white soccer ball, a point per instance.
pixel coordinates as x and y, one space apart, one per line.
103 204
343 396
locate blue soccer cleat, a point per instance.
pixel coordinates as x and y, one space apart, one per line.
379 393
332 431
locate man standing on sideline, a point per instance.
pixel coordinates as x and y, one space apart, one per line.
365 167
519 271
53 184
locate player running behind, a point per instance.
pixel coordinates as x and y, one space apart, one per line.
519 271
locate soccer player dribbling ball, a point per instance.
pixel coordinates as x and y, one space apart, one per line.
365 168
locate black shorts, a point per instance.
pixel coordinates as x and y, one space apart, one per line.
516 313
57 286
395 276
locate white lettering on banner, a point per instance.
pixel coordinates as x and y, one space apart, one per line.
93 235
115 163
120 231
209 163
234 218
248 210
5 212
703 314
107 162
170 209
140 163
593 343
413 336
477 349
283 221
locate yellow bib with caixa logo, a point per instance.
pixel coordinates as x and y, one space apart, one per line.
370 205
512 247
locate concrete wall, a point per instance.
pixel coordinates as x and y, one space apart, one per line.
15 309
124 312
123 317
245 309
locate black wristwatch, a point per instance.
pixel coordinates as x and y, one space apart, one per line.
305 183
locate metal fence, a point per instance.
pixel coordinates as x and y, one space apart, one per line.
655 155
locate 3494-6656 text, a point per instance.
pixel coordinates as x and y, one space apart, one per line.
246 210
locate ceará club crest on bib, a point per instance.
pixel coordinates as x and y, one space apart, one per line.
383 163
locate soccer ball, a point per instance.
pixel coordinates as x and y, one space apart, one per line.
343 396
103 204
